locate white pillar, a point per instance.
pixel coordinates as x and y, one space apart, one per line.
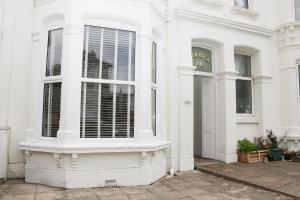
143 89
69 132
226 107
186 132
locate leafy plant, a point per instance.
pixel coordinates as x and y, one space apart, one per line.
247 146
273 139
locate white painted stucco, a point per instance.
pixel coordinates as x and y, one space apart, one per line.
267 31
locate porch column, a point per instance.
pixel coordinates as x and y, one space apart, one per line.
262 89
226 108
186 132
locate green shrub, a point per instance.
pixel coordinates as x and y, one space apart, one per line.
247 146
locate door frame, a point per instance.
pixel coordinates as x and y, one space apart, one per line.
214 77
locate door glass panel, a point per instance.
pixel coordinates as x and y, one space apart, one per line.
202 59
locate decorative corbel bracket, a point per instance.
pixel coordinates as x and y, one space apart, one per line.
58 160
28 157
74 160
143 158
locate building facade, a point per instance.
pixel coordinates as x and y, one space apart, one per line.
100 93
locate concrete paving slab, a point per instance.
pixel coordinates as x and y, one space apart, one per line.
192 185
282 177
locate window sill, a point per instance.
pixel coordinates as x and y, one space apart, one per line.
246 120
94 147
245 12
212 3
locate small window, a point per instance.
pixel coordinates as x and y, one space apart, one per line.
297 9
244 84
52 88
202 59
108 87
241 4
154 87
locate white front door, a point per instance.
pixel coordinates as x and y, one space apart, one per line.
208 118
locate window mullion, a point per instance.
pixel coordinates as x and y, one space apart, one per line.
52 54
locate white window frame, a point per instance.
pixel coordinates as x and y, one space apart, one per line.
48 79
252 114
154 86
114 82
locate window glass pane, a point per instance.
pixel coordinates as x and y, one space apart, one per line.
122 119
123 55
51 109
243 65
202 59
243 97
132 110
297 9
108 61
153 94
54 52
153 63
93 58
106 112
299 78
91 109
132 78
241 3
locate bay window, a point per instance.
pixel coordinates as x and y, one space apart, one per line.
244 84
154 87
52 84
108 83
241 4
297 9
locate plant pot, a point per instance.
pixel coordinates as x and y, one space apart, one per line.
276 154
253 156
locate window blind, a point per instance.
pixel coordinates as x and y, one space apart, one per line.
107 92
52 88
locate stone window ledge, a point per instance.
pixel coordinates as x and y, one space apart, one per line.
94 147
246 120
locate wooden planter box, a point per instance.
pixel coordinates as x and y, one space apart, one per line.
252 157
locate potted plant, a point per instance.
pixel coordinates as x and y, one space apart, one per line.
249 152
275 152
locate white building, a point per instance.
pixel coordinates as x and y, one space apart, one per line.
120 92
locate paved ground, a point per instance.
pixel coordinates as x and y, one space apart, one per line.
186 186
281 176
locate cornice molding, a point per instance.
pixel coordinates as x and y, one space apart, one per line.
41 2
224 22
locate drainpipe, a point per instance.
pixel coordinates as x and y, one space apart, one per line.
4 150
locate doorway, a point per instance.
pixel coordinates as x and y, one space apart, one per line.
204 117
